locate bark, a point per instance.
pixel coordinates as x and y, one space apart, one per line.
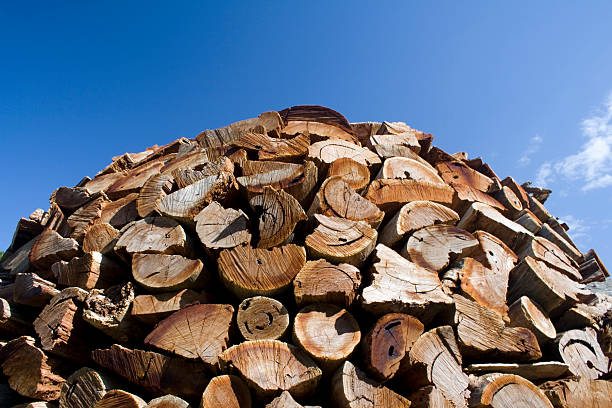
323 282
317 132
227 391
314 113
262 318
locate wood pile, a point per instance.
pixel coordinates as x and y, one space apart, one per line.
296 259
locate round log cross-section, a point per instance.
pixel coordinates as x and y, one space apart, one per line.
262 318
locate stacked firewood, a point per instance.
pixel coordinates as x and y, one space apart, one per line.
296 259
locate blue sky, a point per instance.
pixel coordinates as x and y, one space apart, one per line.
526 85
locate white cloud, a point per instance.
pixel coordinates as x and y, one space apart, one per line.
592 165
578 229
533 147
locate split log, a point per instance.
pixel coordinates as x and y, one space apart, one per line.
120 399
278 213
285 400
100 238
262 318
186 203
553 236
133 180
506 390
538 209
92 270
355 174
518 191
547 287
323 282
543 250
317 131
434 359
529 221
118 213
19 261
30 372
315 113
541 194
14 320
168 401
153 190
402 144
406 168
195 332
50 247
336 198
152 308
267 122
36 404
510 201
270 366
363 130
435 246
26 230
187 176
108 310
327 151
296 179
327 333
525 313
592 269
429 397
482 335
71 198
154 372
85 387
582 353
578 392
197 158
60 326
226 391
388 342
352 389
32 290
459 173
540 371
220 228
340 240
484 217
102 182
401 286
414 216
54 219
250 271
465 195
271 148
154 235
127 161
391 194
164 273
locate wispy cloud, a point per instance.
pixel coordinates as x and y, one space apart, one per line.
579 229
533 147
592 165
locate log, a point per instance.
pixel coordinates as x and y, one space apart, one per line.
285 400
26 230
458 172
271 148
406 168
434 359
578 392
401 286
71 198
14 320
355 174
102 182
429 397
592 269
328 333
154 235
482 335
60 326
484 217
100 238
153 190
85 216
510 201
32 290
220 228
414 216
152 308
195 332
120 399
278 213
186 203
250 271
296 179
154 372
119 213
267 122
465 195
85 387
506 390
582 353
168 401
363 130
552 290
196 158
30 372
50 247
262 318
327 151
315 113
391 194
226 391
436 246
92 270
540 371
323 282
543 250
317 131
164 273
270 366
133 180
529 221
352 389
340 240
19 261
54 219
403 144
536 207
36 404
108 310
518 191
553 236
525 313
388 342
187 176
336 198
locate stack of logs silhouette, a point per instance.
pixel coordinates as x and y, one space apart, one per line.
296 259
